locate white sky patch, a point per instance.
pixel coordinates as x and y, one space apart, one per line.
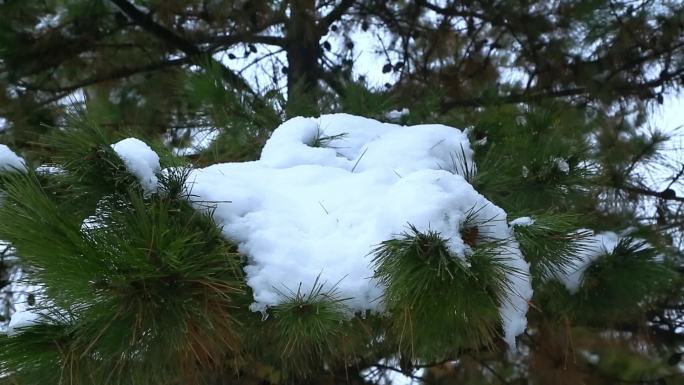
140 160
304 210
264 69
261 69
200 138
9 161
386 372
370 55
669 118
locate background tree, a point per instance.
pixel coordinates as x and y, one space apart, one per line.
557 95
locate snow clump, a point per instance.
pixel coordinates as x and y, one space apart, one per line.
397 114
522 221
21 319
562 165
9 161
140 160
304 210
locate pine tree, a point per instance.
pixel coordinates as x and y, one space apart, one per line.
136 282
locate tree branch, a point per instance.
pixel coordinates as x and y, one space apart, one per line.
666 194
258 39
334 15
146 22
114 75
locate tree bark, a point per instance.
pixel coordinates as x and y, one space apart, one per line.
303 48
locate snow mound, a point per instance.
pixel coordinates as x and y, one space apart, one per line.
140 160
326 191
596 246
9 161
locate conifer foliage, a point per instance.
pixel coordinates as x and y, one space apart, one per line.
118 267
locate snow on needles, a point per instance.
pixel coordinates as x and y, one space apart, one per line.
140 160
21 319
596 246
9 161
522 221
326 191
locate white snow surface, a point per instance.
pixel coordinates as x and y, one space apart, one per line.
46 169
597 246
303 211
397 114
140 160
522 221
9 161
21 319
562 165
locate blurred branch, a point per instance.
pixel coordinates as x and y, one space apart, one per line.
146 22
334 15
114 75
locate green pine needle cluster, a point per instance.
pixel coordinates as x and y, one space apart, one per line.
38 353
518 166
149 284
439 302
616 287
143 288
310 329
551 244
140 288
620 284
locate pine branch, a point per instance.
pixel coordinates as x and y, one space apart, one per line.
310 328
513 98
667 194
120 73
224 41
465 315
334 15
170 37
626 90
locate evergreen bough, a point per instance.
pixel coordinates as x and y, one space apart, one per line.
140 288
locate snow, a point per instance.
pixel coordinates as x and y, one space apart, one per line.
522 221
591 357
46 169
397 114
525 172
562 165
301 211
21 319
9 161
596 246
140 160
